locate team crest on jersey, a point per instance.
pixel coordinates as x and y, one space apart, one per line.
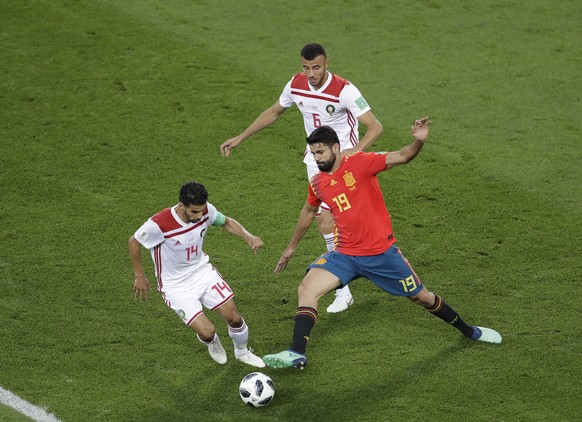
181 313
349 179
330 109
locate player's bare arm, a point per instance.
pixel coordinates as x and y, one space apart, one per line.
141 285
234 227
306 217
420 134
373 131
266 118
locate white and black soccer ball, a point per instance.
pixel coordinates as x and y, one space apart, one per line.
257 389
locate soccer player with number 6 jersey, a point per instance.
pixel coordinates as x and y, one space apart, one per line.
323 98
184 274
365 240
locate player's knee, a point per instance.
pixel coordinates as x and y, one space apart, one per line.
205 334
303 291
234 320
424 299
325 224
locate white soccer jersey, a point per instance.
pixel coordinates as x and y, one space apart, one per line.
337 104
176 246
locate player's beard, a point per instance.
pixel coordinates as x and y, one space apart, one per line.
326 166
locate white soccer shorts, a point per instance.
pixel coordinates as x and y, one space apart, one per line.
208 289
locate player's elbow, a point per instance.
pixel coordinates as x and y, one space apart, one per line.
379 128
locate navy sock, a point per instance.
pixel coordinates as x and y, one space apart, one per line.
305 318
443 311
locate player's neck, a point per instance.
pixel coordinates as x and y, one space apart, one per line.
323 81
180 213
336 165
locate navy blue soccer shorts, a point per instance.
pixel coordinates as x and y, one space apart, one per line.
390 271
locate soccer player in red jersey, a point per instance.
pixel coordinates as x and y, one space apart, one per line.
324 99
365 242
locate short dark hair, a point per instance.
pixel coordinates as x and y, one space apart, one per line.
193 193
323 135
311 51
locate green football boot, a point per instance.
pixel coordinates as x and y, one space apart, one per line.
286 359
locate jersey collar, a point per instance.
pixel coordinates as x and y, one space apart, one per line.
325 85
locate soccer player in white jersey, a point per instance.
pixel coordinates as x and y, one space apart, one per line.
186 279
324 99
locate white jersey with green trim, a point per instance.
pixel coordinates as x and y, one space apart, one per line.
176 246
337 104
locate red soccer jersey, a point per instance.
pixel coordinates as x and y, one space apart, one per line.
363 225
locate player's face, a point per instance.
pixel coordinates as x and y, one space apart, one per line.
324 156
315 70
193 213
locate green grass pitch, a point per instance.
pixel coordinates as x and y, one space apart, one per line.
106 107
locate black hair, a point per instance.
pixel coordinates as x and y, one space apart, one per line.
323 135
193 193
311 51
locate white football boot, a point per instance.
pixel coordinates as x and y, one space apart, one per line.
343 300
487 335
250 359
216 351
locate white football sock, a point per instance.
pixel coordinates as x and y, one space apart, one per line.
329 241
240 338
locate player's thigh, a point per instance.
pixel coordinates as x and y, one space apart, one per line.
185 303
317 282
392 272
230 313
217 293
325 221
341 266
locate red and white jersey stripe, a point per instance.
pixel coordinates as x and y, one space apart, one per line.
337 103
176 246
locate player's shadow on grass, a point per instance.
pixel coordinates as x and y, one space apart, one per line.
390 383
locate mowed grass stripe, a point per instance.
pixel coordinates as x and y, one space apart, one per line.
111 106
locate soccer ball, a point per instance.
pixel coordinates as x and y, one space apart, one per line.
257 389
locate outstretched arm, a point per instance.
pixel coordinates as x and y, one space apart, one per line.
373 130
405 155
306 217
234 227
266 118
141 285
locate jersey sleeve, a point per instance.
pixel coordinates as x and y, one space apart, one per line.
372 162
286 100
212 213
220 219
149 235
353 100
312 198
